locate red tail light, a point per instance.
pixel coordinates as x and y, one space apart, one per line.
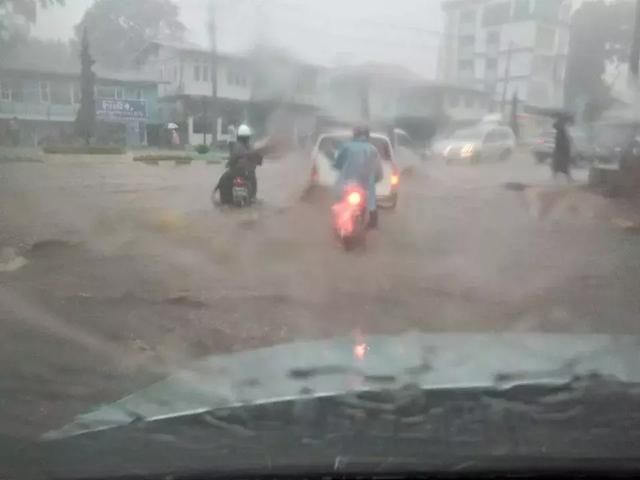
395 179
314 173
354 199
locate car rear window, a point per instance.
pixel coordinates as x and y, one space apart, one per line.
329 146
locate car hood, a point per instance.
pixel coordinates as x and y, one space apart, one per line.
322 368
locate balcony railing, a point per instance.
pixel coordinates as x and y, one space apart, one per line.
39 111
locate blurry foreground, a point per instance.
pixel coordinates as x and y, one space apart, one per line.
113 273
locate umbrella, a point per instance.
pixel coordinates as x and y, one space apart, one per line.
172 126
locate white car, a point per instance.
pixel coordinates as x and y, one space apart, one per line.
324 173
480 144
406 155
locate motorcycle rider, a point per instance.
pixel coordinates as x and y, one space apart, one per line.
243 160
358 160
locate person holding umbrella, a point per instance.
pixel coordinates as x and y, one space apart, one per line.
174 137
562 150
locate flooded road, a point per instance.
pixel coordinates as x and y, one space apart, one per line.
117 273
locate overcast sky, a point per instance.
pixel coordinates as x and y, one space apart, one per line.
320 31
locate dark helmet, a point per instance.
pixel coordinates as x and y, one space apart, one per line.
361 131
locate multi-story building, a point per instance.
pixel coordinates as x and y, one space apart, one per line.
386 95
506 47
43 95
267 90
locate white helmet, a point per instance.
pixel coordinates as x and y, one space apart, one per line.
244 131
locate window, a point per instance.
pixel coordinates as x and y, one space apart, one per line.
77 95
547 9
44 92
465 67
404 140
543 66
493 37
105 92
119 93
496 14
454 100
139 94
468 16
16 89
175 73
205 73
545 38
521 9
468 101
467 41
196 73
235 77
5 92
60 93
492 65
492 137
508 134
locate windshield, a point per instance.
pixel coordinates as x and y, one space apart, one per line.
467 135
330 145
189 269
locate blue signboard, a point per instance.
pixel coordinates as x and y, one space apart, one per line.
113 109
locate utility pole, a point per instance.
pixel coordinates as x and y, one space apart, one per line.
213 74
634 61
507 75
365 101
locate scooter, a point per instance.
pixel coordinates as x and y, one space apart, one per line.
351 217
237 192
241 191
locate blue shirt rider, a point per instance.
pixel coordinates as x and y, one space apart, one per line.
358 160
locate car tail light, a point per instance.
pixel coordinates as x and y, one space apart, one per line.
395 179
314 173
354 199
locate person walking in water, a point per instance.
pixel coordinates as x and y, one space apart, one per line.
561 162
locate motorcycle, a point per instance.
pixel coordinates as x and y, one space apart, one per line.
241 191
235 189
351 217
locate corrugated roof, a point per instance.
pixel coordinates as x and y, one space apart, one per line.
188 46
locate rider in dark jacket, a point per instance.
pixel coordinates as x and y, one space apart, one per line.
243 160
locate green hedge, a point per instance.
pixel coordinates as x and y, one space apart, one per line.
202 149
18 158
163 157
84 149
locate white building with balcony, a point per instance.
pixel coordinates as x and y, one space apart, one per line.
261 88
506 47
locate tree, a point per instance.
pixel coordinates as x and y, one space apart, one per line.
14 13
600 35
513 120
86 119
118 29
634 60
